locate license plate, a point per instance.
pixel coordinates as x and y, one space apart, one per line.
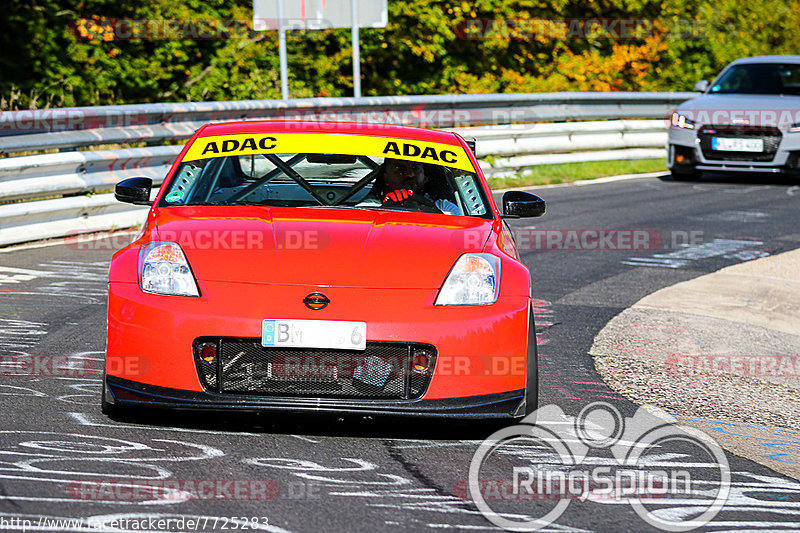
314 334
724 144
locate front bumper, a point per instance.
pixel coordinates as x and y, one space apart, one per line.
786 159
482 350
125 393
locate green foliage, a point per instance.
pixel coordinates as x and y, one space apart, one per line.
63 53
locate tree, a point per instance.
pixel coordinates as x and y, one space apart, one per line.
84 52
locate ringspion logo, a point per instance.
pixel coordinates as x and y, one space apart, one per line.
524 477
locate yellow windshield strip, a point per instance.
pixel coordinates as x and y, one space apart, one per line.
322 143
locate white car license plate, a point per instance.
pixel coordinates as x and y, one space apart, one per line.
314 334
724 144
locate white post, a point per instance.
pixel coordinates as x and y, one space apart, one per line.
282 53
356 50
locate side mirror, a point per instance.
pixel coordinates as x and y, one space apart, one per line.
473 145
701 86
134 191
521 204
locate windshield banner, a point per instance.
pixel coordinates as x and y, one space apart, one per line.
321 143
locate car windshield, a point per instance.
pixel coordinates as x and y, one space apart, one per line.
759 78
328 181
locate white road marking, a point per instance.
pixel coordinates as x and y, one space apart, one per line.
305 439
733 216
18 336
683 257
11 390
9 275
83 420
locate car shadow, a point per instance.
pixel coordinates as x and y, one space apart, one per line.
314 424
742 178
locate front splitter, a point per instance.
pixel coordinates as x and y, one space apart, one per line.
123 393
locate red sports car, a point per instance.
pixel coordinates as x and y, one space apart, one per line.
307 266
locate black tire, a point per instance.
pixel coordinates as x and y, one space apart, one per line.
685 174
532 381
532 373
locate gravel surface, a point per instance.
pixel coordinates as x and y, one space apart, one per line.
712 368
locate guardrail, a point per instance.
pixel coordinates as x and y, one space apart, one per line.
509 127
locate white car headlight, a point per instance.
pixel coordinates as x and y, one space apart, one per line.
473 280
682 122
163 269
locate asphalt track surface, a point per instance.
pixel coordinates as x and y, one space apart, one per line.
323 473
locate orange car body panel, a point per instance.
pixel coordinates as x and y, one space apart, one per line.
381 267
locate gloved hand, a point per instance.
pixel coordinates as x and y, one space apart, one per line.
398 196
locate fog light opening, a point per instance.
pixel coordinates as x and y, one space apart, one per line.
422 363
208 352
679 158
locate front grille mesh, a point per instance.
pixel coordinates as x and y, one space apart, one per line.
770 136
382 371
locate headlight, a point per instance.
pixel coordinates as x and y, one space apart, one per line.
682 122
473 280
163 269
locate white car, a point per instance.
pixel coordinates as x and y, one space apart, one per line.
746 120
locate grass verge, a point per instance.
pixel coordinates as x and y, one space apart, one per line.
567 172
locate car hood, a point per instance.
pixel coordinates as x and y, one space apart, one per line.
743 109
321 247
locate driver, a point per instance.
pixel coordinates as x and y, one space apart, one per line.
404 181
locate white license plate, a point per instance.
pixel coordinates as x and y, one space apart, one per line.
314 334
724 144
